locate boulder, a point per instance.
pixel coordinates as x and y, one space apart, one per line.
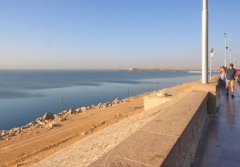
51 125
4 132
48 116
84 109
162 94
78 110
84 132
71 111
64 112
39 119
16 129
32 123
41 123
24 127
55 116
116 101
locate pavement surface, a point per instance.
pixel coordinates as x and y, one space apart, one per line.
220 143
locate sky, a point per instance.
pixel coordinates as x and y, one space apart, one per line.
114 34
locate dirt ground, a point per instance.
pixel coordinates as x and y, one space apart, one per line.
37 143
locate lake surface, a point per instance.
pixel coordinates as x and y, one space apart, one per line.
27 94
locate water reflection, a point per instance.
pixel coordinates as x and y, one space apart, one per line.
230 114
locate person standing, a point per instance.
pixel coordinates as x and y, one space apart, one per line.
230 79
222 75
238 76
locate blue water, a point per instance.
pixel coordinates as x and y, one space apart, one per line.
27 94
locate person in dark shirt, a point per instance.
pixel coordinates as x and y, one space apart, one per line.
230 79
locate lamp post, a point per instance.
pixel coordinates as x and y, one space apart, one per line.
212 56
234 61
205 42
238 64
225 49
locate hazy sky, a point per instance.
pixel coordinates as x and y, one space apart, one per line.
93 34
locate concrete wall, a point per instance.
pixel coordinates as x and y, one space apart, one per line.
213 87
169 140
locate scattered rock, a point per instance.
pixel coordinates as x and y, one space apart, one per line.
25 127
63 119
48 116
162 94
84 132
93 127
8 138
52 125
20 164
32 123
64 112
78 110
71 111
39 119
84 109
138 107
4 132
41 123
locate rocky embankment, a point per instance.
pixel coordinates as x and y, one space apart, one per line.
49 120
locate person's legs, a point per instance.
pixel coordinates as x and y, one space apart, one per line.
227 86
232 87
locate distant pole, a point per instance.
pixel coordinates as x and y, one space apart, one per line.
225 49
234 62
212 56
238 63
128 91
62 104
205 42
210 67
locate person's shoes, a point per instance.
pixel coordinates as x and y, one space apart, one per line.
227 94
232 96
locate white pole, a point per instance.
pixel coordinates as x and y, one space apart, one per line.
234 62
205 42
225 50
210 67
238 63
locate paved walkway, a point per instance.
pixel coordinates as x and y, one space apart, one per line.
220 143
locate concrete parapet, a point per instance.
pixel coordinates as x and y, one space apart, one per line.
213 87
169 140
